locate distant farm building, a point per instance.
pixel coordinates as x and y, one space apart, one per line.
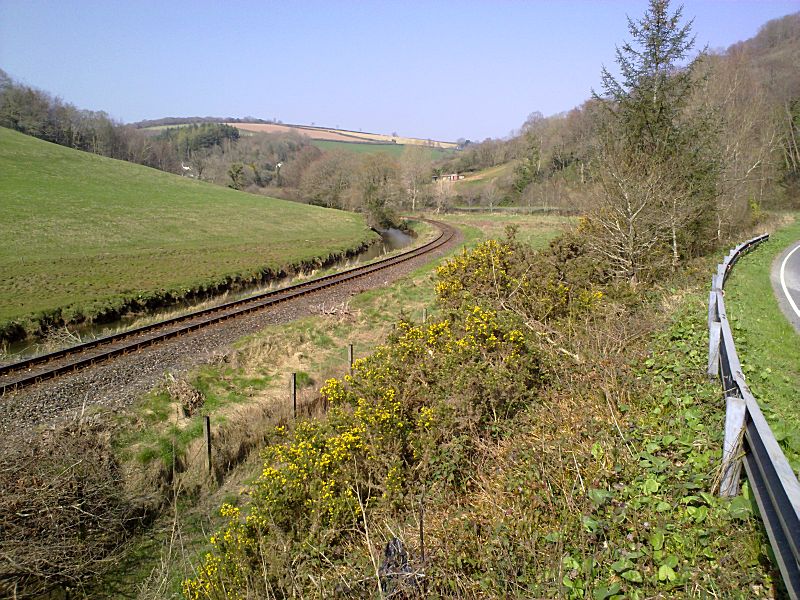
450 177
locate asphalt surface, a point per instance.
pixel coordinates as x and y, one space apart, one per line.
786 283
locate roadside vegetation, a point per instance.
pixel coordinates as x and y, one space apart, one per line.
87 238
551 434
550 440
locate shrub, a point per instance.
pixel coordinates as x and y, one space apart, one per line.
63 510
410 417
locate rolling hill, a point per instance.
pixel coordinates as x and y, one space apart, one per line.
317 134
86 236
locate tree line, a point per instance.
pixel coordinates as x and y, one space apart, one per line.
750 93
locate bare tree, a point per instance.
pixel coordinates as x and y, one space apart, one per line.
748 141
628 229
414 172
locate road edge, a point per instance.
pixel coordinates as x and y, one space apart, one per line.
777 286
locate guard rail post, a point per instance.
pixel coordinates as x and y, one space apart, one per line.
714 336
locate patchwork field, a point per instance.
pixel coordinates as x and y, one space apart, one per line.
83 235
341 135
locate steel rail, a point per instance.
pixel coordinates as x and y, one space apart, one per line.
27 372
749 439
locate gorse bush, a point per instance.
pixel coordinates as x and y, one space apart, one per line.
410 416
518 433
540 287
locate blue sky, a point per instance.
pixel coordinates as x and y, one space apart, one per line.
432 69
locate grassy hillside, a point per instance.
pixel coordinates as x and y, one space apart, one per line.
83 234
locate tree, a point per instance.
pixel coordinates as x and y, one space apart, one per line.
652 134
415 172
528 168
327 179
376 189
749 141
236 175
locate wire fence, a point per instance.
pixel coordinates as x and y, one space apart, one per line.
748 440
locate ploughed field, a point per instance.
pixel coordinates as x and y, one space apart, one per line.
84 235
341 135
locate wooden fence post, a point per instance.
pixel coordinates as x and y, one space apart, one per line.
714 334
207 423
350 357
424 315
735 410
714 341
293 388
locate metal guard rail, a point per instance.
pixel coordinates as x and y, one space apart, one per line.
749 439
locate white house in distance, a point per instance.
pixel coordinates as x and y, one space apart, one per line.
448 177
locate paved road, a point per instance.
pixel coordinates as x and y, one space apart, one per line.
786 283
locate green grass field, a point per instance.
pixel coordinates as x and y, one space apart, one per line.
485 176
536 230
83 234
391 149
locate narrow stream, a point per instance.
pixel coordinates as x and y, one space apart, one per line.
391 240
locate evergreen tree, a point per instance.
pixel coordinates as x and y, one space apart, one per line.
658 162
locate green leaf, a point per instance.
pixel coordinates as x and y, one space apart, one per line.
671 561
651 486
553 536
701 512
633 576
602 592
657 540
710 500
662 506
597 451
793 440
599 497
740 508
621 565
666 573
590 524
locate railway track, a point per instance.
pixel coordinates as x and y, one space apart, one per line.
18 375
